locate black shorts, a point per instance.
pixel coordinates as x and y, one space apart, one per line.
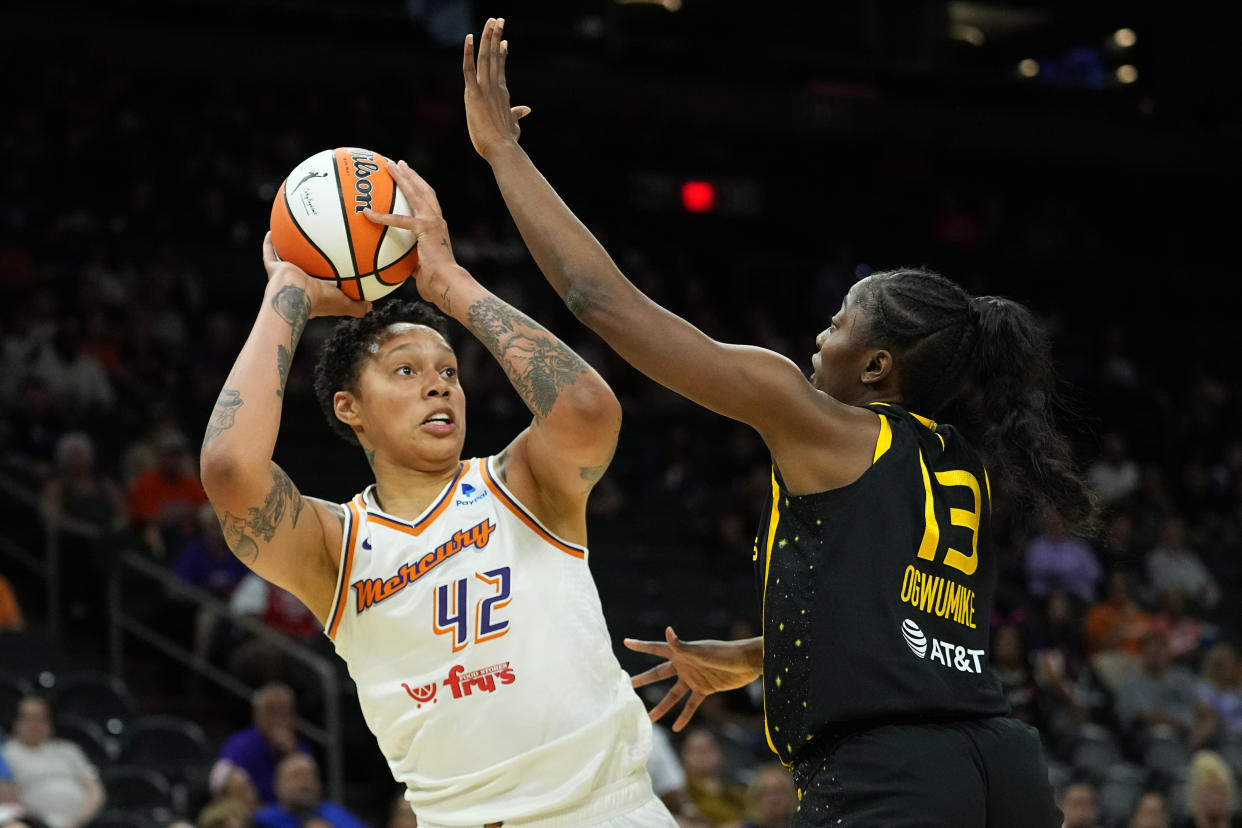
982 773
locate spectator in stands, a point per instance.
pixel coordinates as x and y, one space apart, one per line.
1011 664
1079 805
1161 694
1114 475
10 608
228 780
1188 634
1173 565
77 381
255 660
1114 629
1055 559
87 510
1220 686
721 801
1057 665
226 813
54 779
1211 793
165 499
207 563
668 779
299 797
271 737
1151 810
771 797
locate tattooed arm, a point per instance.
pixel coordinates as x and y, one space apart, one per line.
289 540
552 465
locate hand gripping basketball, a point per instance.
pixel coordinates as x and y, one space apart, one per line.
325 298
437 267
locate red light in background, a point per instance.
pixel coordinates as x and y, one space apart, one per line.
698 197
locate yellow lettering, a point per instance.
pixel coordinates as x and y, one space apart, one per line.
906 585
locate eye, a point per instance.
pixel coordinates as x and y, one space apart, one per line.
405 371
449 373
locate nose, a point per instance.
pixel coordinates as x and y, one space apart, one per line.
439 387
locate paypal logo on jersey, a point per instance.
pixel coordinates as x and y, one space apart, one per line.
470 494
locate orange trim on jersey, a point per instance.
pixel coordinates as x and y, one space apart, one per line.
527 518
423 523
347 566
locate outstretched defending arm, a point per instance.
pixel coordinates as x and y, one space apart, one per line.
662 345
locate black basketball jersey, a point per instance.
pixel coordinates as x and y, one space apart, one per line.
876 596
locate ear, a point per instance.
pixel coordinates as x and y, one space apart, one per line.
345 406
879 368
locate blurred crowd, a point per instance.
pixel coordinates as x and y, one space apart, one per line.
127 288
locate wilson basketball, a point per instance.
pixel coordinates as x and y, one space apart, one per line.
318 222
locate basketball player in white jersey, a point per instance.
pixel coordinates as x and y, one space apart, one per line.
457 590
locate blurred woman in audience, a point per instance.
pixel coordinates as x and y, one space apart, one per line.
1211 794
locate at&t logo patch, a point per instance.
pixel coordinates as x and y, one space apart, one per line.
914 637
953 656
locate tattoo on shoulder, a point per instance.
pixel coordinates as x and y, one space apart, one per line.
260 523
223 415
538 364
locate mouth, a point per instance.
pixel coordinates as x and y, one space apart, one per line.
440 422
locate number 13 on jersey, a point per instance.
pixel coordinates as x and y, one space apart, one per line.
451 613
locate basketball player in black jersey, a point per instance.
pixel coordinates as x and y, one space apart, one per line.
874 558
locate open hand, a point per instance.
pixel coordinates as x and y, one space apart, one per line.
700 667
493 123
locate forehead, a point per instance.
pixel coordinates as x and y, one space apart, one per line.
402 336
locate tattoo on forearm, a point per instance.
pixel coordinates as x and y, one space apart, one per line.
448 304
223 415
242 533
284 361
292 305
538 364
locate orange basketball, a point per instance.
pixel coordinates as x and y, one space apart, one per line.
318 222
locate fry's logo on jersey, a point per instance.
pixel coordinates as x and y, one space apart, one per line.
461 682
952 656
423 695
370 591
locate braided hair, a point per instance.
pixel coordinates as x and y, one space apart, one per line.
988 356
341 355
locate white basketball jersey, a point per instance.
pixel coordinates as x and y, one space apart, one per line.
481 656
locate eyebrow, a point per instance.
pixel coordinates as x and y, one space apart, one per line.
412 346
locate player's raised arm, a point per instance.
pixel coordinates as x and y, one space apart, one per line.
576 416
268 524
742 382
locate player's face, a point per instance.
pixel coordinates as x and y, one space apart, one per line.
839 358
410 405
